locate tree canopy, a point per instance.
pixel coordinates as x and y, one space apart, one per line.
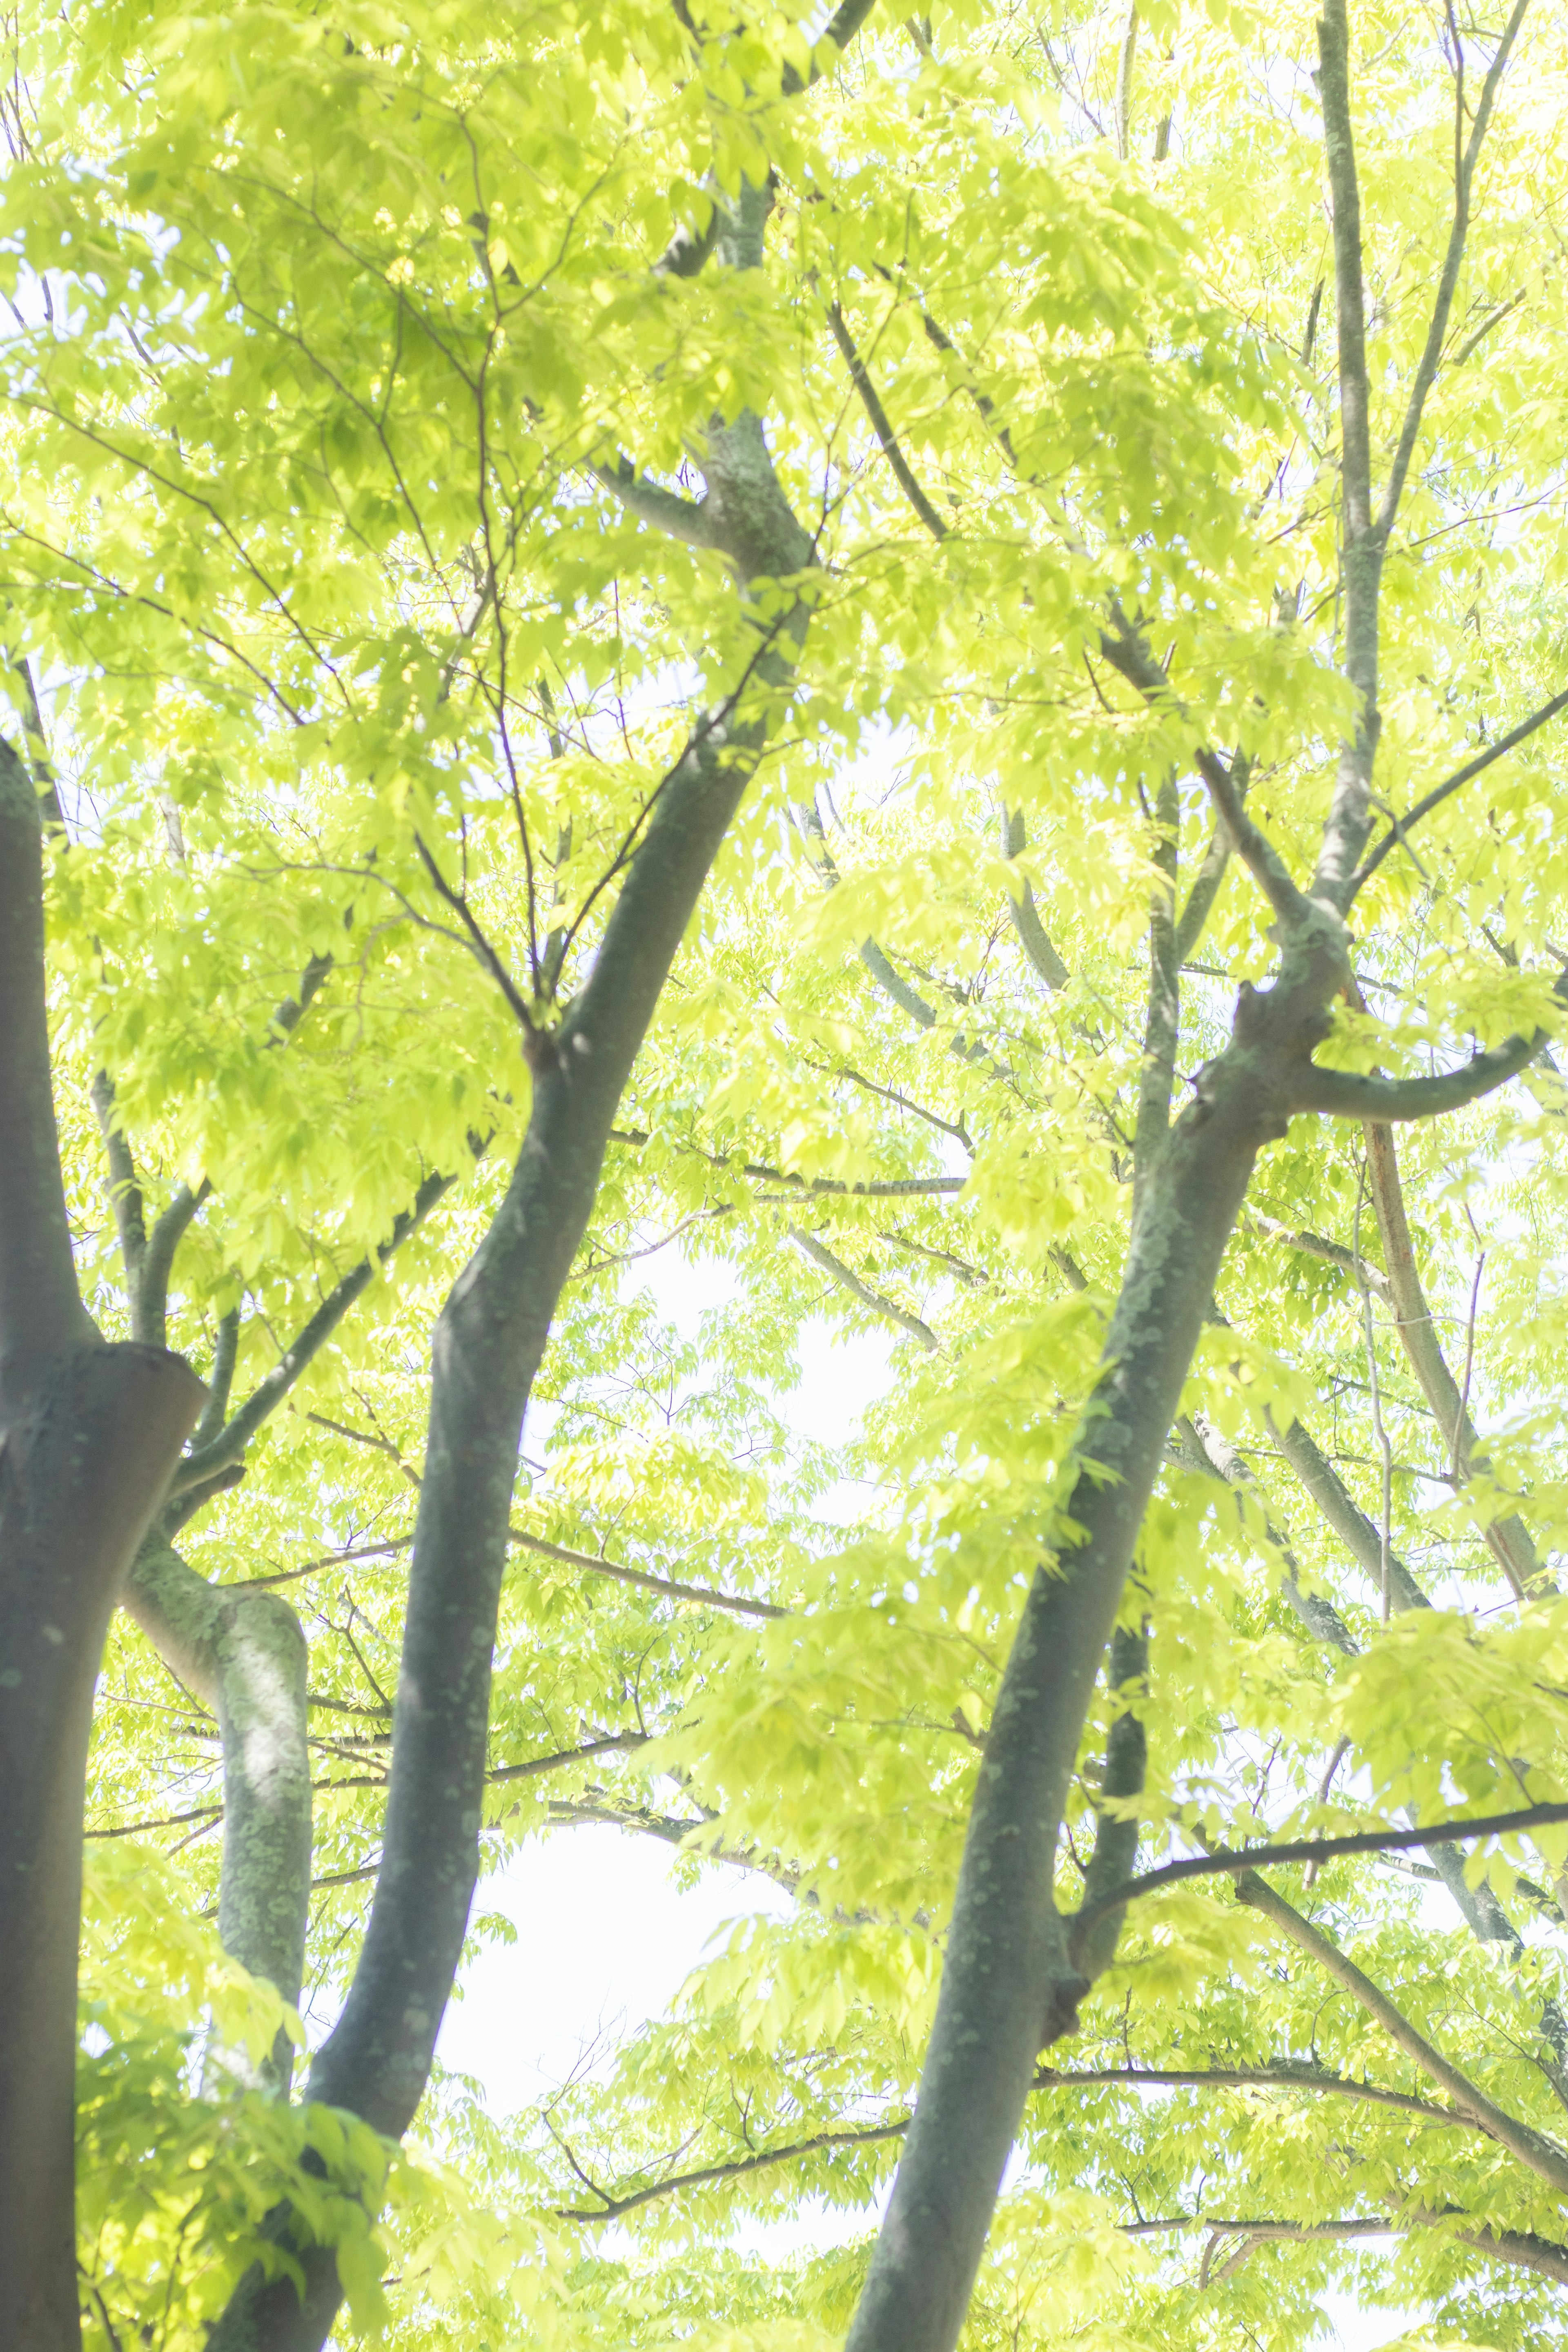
922 662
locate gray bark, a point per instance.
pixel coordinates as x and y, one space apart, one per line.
489 1343
243 1653
88 1434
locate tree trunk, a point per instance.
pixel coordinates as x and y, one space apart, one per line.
88 1436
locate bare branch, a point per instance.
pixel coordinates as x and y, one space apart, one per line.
1440 793
847 1280
881 426
1438 330
698 1596
1385 1841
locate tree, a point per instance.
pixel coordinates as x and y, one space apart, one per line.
390 694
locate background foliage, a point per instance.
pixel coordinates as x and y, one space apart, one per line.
331 332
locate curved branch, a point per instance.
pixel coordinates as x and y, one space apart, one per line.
881 426
1343 1094
700 1596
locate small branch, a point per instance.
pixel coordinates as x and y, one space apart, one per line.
700 1596
221 1452
220 1381
1130 659
616 1743
1529 2252
124 1194
896 1188
1317 1246
1338 144
1440 793
1540 2155
1438 330
881 426
867 2135
810 1246
1284 2076
159 1263
1033 937
1389 1841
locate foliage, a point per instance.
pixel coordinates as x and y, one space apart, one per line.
351 429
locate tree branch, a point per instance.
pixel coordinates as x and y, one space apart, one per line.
1130 659
1519 2247
679 519
698 1596
820 1254
1440 793
1349 812
1438 330
199 1468
1508 1540
41 1313
1533 2150
1341 1094
867 2135
881 426
1389 1841
1033 937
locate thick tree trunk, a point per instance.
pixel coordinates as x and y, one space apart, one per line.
88 1436
1010 1983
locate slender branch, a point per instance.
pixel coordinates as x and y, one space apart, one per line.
810 1246
125 1193
1317 1246
616 1743
1033 937
219 1453
165 1239
1519 2247
866 2137
881 426
1440 793
1047 2079
1350 812
1343 1514
1387 1841
1283 2076
1540 2155
1130 659
1338 144
1510 1539
698 1596
1206 882
895 1187
1438 330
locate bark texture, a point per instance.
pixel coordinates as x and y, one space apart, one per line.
88 1435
